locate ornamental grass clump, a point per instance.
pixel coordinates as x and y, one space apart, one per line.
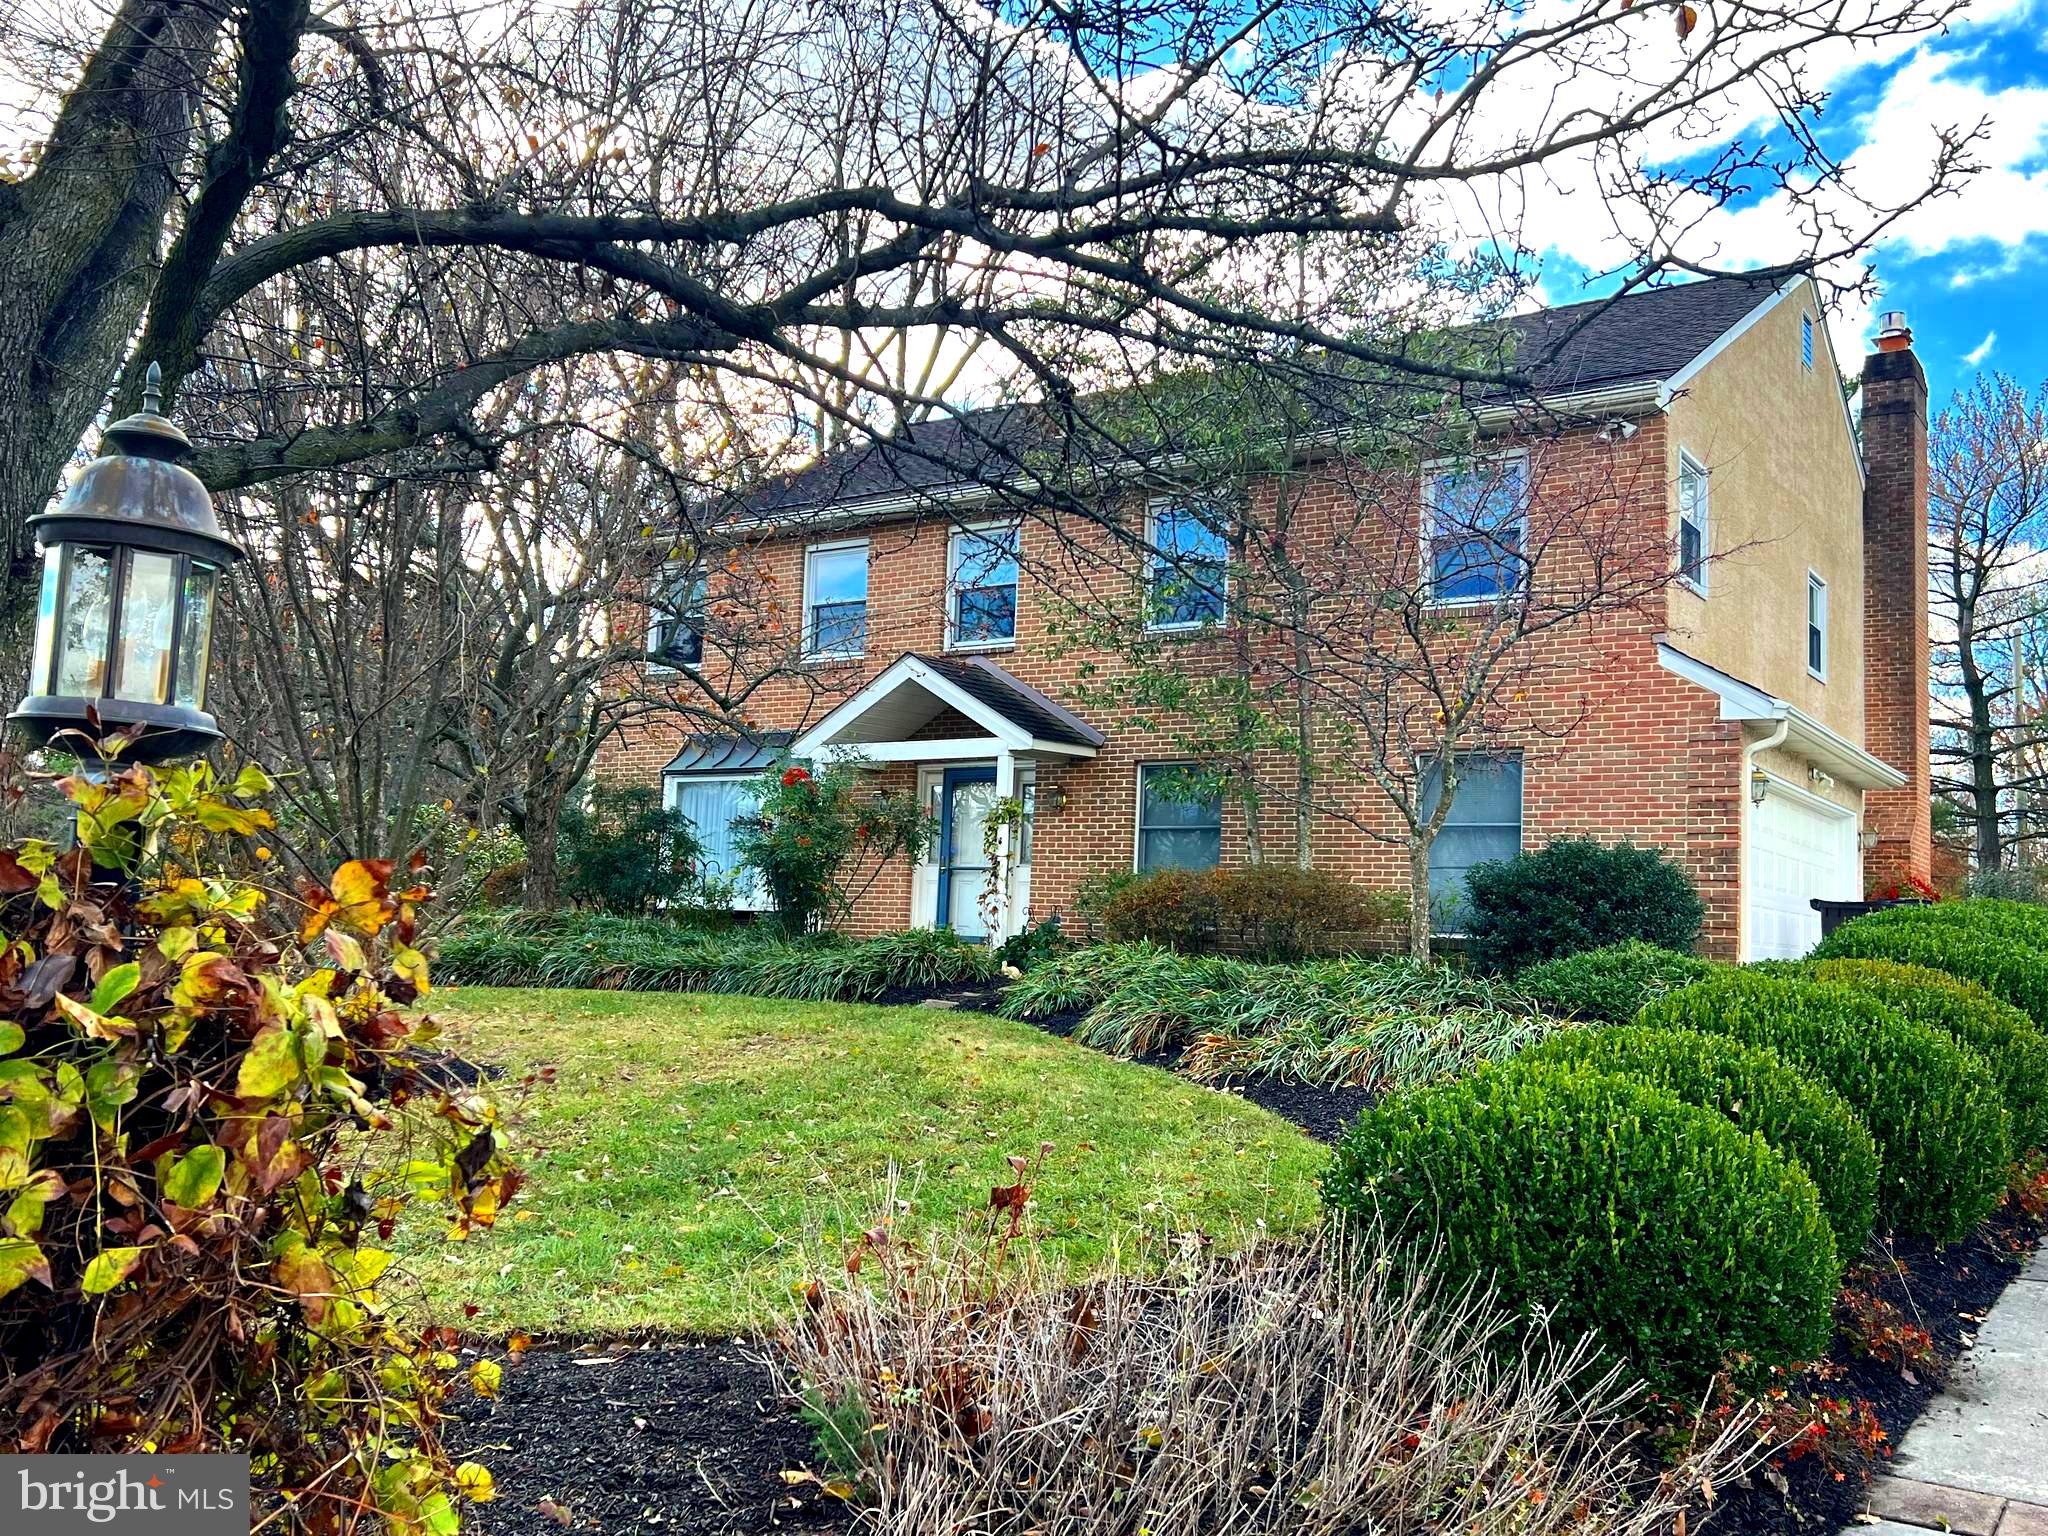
1377 1023
1613 1207
2012 1045
1332 1387
1942 1132
1758 1090
211 1118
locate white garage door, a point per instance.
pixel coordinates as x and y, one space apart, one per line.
1798 849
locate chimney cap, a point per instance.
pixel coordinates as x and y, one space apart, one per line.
1893 334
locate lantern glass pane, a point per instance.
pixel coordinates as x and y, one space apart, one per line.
88 596
149 603
195 635
46 618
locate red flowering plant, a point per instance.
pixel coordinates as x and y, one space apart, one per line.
1912 888
820 837
211 1120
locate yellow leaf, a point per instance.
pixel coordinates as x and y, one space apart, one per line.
474 1480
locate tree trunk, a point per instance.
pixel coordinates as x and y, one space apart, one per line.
1418 896
1304 750
542 891
1983 737
79 243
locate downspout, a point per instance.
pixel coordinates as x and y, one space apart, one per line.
1763 744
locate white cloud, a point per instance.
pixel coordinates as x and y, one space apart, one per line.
1976 355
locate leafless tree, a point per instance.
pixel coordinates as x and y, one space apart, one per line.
1987 525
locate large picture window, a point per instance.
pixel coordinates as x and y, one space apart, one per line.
1179 825
982 586
1476 520
711 806
1190 564
1484 823
836 600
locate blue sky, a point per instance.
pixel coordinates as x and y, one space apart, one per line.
1971 271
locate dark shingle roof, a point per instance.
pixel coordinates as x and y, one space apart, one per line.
1598 344
1017 702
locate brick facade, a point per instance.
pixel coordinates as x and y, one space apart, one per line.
1613 745
1895 617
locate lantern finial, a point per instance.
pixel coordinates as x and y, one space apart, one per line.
153 389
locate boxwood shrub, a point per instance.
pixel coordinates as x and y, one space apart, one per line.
1758 1091
1611 982
1942 1132
1656 1225
1576 895
2007 967
2012 1045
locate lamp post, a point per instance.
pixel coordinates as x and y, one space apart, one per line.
132 562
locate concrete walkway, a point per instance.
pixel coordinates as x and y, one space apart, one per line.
1976 1462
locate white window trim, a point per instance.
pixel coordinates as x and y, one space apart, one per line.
662 668
1815 583
1426 525
1153 563
1138 809
953 540
1686 461
811 552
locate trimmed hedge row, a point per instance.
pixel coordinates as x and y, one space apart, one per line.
1610 983
1941 1130
1678 1240
1988 942
2012 1045
1758 1091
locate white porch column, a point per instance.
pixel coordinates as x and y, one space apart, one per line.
1006 791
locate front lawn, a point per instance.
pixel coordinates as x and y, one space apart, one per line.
687 1144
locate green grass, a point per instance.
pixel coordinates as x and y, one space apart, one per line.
689 1148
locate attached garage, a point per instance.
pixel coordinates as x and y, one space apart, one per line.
1800 847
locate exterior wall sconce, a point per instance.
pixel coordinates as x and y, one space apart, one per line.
1050 798
1868 839
132 561
1759 786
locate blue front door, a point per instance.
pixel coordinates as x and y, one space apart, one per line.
966 798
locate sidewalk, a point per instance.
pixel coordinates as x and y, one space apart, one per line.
1976 1462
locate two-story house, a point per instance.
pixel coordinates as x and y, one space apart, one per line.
1763 719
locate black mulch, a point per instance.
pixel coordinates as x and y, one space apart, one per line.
1322 1112
669 1439
1945 1291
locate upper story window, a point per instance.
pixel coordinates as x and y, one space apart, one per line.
1692 522
1189 568
1476 524
1806 340
1180 824
675 616
981 586
1484 823
836 599
1816 626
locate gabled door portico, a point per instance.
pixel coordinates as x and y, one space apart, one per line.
1007 728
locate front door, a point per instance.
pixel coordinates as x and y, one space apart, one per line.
966 798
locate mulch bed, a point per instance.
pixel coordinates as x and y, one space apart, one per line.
1945 1291
668 1439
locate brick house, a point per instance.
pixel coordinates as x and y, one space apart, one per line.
1764 719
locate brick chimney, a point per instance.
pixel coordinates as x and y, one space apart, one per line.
1895 624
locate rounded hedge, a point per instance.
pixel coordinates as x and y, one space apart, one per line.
1679 1241
1942 1132
1576 895
2012 1045
1611 982
2012 970
1757 1090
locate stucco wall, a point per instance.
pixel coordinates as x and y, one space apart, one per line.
1785 497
